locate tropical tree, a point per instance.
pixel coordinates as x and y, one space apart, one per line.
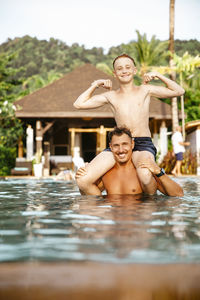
185 66
37 81
173 74
10 127
105 68
147 53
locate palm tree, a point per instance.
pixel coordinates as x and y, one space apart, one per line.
147 53
185 66
173 75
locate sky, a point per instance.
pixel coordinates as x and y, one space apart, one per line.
97 23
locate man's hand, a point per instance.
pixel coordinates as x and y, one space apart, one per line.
80 172
105 83
151 165
149 76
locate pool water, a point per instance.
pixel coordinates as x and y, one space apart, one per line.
47 220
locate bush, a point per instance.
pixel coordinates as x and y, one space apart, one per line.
189 164
7 160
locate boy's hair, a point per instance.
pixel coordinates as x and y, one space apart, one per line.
123 55
119 131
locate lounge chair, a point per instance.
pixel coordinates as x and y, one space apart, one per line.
22 168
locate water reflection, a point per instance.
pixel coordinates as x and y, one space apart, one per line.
46 220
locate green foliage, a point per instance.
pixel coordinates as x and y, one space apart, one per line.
40 57
150 53
105 68
191 46
37 81
10 126
192 104
7 159
32 64
186 66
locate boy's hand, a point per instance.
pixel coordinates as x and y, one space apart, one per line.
105 83
149 76
152 166
80 172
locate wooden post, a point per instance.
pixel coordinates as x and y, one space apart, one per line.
98 148
183 117
155 133
46 169
39 138
72 141
155 127
20 147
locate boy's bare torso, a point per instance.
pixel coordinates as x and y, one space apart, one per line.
131 109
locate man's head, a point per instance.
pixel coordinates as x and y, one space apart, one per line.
179 128
124 68
121 144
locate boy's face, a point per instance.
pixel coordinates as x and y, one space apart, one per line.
121 147
124 69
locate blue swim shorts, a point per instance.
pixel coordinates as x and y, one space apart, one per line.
142 144
179 156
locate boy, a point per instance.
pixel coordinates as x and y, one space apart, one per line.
130 107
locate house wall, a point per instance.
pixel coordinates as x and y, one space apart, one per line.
192 138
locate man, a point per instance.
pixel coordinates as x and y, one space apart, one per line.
178 148
123 178
130 106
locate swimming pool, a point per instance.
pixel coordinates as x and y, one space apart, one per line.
47 220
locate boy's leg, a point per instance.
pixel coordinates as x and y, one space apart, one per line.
101 164
148 182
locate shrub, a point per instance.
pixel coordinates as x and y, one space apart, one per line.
189 164
7 160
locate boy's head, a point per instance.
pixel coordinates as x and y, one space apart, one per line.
121 56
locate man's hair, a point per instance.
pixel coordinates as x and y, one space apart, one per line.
119 131
123 55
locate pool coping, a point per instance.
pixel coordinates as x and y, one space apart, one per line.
91 280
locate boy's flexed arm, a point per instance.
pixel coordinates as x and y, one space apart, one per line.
86 100
172 90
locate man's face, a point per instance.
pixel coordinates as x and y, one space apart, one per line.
121 147
124 69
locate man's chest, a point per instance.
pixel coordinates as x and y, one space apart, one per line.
122 182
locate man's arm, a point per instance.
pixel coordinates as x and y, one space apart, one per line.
172 90
184 143
165 184
86 100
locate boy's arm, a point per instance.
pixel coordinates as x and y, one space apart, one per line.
86 100
165 184
172 90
